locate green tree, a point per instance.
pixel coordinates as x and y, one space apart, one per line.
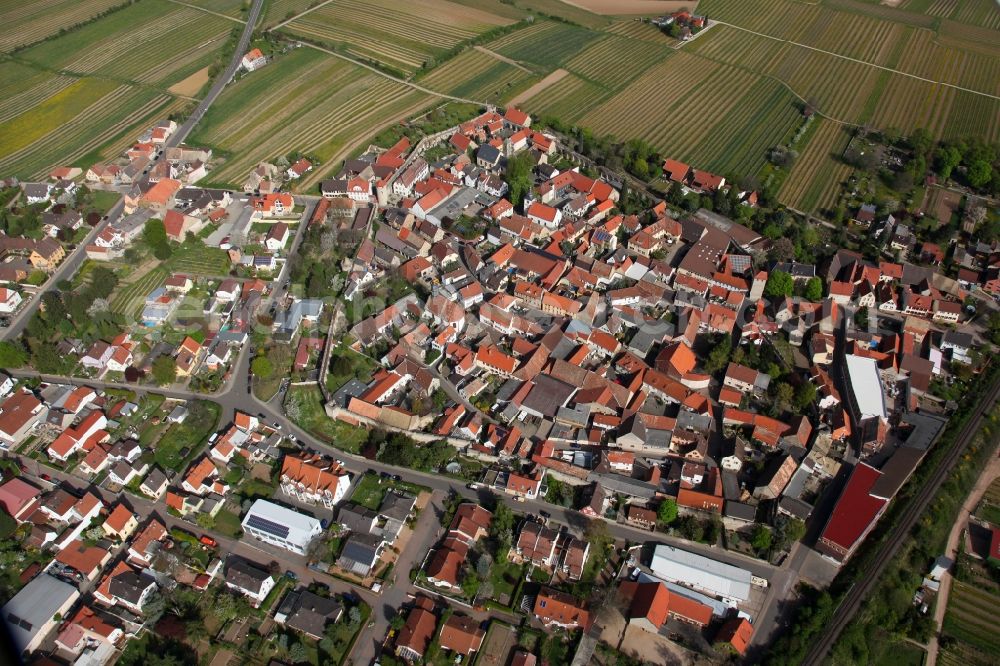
805 395
164 370
519 176
979 173
814 289
666 513
719 356
946 160
761 539
783 395
12 354
262 367
155 235
779 283
298 653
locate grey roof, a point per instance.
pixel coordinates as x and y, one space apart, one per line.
488 153
31 610
740 511
308 612
360 553
795 507
245 575
155 479
356 518
352 389
396 505
957 339
548 395
129 586
616 483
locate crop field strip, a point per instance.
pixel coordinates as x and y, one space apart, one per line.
129 298
229 7
251 122
814 180
566 11
30 21
852 35
644 31
546 44
567 99
479 76
614 61
971 618
130 44
982 13
382 30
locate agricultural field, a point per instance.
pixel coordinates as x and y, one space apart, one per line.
32 21
277 11
280 109
567 99
615 60
564 10
154 43
383 30
974 12
128 299
234 8
199 259
814 180
639 30
545 44
478 76
970 620
84 95
73 122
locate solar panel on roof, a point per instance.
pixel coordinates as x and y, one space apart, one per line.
739 262
265 525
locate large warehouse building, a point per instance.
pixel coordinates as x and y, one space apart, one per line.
274 524
701 573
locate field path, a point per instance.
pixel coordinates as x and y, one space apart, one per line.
502 58
843 57
404 82
991 472
298 16
209 11
549 80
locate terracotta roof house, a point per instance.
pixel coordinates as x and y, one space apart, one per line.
737 632
415 636
314 479
120 523
554 608
471 523
19 499
461 635
85 560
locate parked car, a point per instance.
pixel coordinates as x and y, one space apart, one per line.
208 541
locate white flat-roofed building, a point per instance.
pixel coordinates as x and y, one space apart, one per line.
866 387
281 527
701 573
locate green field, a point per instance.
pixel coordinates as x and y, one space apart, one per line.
85 95
546 44
198 259
129 298
478 76
970 618
281 109
34 20
383 30
815 178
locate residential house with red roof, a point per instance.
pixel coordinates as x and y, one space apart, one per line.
558 609
461 635
313 479
416 635
19 413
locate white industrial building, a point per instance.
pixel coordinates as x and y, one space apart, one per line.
274 524
866 387
715 578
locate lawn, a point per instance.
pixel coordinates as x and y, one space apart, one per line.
228 523
369 491
201 422
303 404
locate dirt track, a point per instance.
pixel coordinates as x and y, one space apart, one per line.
539 87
